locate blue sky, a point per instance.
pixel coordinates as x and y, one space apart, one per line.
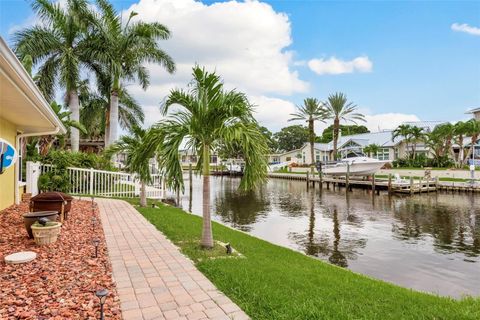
419 65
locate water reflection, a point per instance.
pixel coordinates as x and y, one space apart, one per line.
427 242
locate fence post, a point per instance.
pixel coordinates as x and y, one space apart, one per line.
33 171
91 181
136 184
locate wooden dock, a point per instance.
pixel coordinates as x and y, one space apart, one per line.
404 187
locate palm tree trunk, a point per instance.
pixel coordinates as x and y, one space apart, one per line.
74 106
113 134
470 150
207 237
106 133
461 154
143 194
336 128
311 131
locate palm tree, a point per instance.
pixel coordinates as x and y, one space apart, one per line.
125 48
404 131
45 142
209 115
416 134
460 129
58 45
473 130
371 149
311 111
137 161
338 108
95 108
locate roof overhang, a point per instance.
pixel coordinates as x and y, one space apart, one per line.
21 102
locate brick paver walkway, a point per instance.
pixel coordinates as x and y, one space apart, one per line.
154 280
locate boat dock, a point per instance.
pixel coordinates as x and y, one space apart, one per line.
410 186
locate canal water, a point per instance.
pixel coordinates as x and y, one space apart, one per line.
425 242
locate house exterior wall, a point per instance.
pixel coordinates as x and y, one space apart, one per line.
8 132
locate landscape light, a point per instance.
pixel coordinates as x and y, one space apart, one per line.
102 296
94 220
96 242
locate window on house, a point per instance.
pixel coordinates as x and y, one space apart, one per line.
289 159
213 159
383 154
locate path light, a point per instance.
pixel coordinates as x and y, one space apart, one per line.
94 221
102 296
229 248
96 242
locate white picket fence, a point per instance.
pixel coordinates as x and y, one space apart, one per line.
94 182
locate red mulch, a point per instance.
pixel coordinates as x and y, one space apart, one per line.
61 282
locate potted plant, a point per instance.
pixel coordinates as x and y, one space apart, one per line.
45 231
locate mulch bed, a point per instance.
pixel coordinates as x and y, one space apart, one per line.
61 282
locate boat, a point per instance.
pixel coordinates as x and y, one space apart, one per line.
357 166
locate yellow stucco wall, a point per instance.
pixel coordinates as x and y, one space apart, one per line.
7 179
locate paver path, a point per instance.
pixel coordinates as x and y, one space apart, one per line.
154 280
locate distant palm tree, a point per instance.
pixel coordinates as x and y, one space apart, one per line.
126 46
404 131
339 109
45 142
311 111
58 45
473 130
371 149
460 129
137 162
417 134
209 115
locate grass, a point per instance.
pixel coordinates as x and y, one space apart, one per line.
273 282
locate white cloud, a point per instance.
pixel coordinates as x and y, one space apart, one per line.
245 42
337 66
385 121
273 112
466 28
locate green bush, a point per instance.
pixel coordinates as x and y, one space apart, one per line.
421 161
78 160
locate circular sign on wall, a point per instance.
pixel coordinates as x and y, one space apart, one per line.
8 155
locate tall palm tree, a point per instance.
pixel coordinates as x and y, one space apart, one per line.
209 115
45 142
339 109
137 161
126 47
311 111
404 131
95 107
58 45
473 130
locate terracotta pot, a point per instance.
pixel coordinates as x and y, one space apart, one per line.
31 217
51 201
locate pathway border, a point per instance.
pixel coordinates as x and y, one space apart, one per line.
154 279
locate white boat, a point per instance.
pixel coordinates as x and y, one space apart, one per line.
277 166
359 166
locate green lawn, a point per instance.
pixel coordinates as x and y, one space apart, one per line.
273 282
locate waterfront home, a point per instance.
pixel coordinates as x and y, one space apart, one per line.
353 145
23 113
